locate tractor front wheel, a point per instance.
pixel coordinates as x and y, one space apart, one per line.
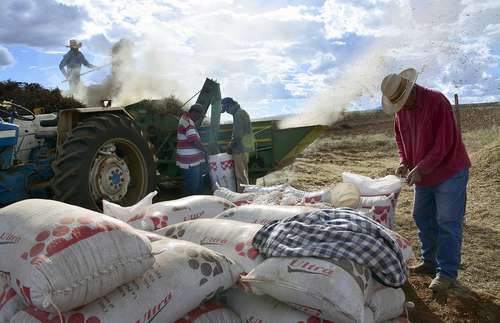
104 157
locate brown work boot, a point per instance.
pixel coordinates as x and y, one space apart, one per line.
424 268
442 283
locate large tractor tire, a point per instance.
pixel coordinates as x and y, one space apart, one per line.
104 157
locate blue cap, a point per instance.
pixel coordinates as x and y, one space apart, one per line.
225 103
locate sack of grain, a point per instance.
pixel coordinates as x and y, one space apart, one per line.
236 198
264 309
264 189
293 196
161 214
124 213
385 302
10 302
341 195
403 244
384 208
183 276
210 312
368 186
262 214
332 290
63 256
233 239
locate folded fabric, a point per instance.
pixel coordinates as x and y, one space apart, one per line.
336 234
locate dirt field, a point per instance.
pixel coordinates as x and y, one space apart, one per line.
363 143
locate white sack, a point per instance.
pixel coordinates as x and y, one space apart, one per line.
341 195
233 239
383 208
264 189
210 312
368 186
265 309
221 170
262 214
67 256
385 302
183 276
162 214
126 212
270 198
333 290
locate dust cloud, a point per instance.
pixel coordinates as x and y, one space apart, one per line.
137 73
355 81
435 40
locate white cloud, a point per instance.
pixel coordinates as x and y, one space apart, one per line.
6 58
39 23
276 50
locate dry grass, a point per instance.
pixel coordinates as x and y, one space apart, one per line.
370 151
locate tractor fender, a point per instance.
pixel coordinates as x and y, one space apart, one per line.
68 119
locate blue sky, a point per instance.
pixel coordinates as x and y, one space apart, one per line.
275 57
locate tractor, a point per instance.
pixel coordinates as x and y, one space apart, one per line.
82 156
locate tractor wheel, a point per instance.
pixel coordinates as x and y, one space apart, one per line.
104 157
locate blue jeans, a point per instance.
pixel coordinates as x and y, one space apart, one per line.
439 214
193 180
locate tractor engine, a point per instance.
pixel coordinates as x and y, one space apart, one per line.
9 134
27 148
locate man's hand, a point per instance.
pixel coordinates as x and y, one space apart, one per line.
402 170
414 176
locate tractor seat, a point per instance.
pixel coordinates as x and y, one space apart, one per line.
49 123
46 135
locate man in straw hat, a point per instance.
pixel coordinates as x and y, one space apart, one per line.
71 64
433 157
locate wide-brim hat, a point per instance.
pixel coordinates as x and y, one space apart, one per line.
73 43
396 88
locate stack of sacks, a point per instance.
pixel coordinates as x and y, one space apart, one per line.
303 288
183 276
70 264
378 195
375 198
60 256
154 216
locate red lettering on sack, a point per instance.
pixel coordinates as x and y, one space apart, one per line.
199 311
213 241
136 218
303 266
152 312
194 216
8 238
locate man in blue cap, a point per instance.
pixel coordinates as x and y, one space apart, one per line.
242 141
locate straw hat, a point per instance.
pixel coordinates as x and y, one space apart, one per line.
73 43
396 89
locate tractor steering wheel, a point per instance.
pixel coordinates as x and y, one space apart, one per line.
12 110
